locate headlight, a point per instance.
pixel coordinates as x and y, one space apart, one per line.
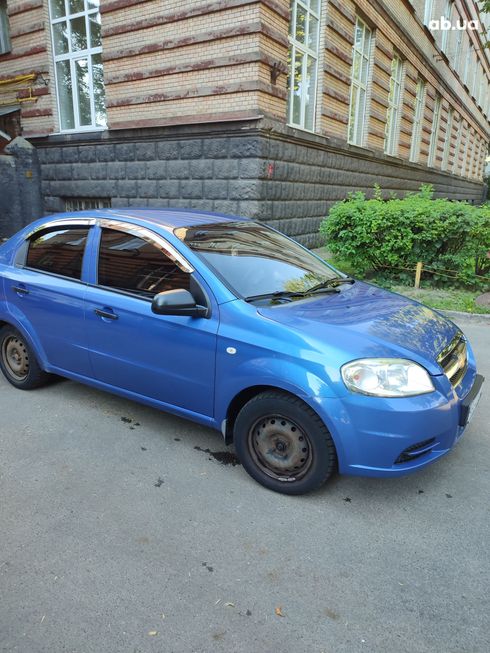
386 377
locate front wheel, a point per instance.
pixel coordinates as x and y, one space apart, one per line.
283 444
18 362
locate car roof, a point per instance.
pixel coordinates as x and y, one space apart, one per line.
166 218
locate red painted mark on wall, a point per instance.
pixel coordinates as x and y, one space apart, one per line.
270 170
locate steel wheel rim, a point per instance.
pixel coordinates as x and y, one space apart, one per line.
280 448
15 358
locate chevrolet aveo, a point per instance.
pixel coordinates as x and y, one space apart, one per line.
227 322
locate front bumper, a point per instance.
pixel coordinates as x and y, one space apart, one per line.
382 437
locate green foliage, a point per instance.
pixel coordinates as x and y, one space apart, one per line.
390 235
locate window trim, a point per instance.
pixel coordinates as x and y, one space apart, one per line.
295 45
72 58
356 85
418 119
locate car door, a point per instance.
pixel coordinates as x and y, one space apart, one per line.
167 358
45 292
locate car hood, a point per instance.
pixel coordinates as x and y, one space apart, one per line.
366 321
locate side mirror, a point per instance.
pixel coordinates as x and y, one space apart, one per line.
177 302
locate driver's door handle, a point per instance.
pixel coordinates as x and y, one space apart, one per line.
20 290
108 315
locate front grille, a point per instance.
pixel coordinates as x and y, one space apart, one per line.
454 359
415 451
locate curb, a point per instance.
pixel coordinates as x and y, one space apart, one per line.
483 318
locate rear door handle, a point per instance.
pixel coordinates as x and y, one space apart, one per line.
108 315
20 290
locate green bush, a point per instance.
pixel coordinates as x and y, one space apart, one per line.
390 235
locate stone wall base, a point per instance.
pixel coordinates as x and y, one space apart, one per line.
261 169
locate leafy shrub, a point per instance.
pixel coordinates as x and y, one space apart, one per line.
397 233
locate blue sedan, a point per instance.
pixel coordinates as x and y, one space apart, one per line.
229 323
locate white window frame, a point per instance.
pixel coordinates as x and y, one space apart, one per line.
356 129
72 57
296 46
447 142
434 136
5 45
418 118
428 11
393 112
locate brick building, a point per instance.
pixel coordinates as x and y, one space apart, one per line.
268 108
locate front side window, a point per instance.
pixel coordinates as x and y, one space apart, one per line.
254 260
434 136
361 63
393 112
58 251
131 264
417 121
77 51
4 28
303 62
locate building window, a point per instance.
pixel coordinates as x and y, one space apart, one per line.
457 61
77 51
434 137
459 130
447 142
448 10
428 9
4 28
361 64
417 121
303 62
86 203
465 164
394 102
469 53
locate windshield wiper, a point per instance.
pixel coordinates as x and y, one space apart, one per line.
331 284
285 294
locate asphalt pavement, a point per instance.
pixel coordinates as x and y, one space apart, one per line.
123 529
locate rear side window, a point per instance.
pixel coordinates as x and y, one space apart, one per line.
58 251
134 265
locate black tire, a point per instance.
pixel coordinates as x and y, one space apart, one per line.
283 444
18 362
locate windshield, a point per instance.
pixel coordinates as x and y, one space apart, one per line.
255 260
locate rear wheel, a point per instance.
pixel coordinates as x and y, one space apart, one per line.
283 444
18 362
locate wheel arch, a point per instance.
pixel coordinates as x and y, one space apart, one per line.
245 395
33 342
